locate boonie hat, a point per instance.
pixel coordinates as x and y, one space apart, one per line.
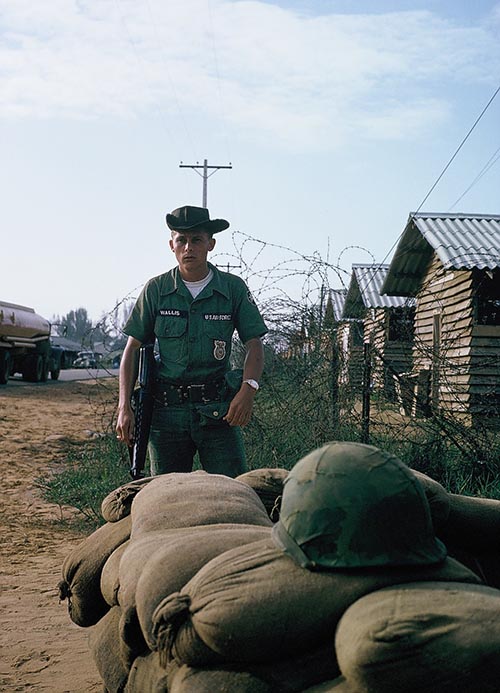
349 505
187 218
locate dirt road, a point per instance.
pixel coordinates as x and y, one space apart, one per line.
40 648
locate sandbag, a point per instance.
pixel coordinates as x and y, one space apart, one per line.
176 500
465 522
104 644
437 497
179 558
304 669
110 577
82 569
216 680
118 503
442 637
147 676
255 604
172 541
131 638
268 485
473 524
338 685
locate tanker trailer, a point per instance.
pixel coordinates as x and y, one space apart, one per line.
25 345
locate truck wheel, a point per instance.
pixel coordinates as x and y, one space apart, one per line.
54 373
5 366
45 369
33 369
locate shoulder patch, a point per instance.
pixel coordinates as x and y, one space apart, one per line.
251 299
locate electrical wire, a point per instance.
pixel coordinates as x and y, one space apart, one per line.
458 149
489 164
175 98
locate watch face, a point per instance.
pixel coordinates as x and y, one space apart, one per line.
252 383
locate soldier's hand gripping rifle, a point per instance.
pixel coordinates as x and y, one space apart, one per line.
143 408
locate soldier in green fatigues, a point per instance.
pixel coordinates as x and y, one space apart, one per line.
192 311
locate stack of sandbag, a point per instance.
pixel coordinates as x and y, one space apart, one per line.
187 519
193 592
254 605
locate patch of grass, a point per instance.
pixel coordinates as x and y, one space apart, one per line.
90 473
298 410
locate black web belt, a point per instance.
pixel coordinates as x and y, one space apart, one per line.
171 393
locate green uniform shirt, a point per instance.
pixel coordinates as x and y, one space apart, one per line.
194 335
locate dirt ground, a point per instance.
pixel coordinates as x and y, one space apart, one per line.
40 648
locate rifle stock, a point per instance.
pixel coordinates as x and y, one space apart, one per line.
143 406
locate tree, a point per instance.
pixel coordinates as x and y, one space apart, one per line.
75 325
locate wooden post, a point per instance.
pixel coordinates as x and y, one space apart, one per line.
367 374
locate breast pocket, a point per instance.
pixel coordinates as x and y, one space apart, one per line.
171 333
217 340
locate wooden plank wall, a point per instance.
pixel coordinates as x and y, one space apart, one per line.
387 356
448 294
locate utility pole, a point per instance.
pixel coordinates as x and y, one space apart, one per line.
205 175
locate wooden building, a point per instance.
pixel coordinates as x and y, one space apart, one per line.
450 263
383 322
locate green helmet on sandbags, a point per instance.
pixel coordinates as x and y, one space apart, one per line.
349 505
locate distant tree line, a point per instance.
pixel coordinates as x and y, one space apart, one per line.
78 327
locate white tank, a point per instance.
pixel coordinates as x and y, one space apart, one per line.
21 322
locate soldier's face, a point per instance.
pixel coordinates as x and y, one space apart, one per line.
191 248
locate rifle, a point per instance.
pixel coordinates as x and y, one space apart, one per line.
142 402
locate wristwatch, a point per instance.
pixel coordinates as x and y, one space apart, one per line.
253 383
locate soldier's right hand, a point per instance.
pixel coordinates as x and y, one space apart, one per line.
125 425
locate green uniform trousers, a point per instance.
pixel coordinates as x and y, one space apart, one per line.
178 431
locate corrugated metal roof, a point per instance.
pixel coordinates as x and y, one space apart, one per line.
365 291
65 343
338 297
461 241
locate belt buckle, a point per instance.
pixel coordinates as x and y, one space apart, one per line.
196 393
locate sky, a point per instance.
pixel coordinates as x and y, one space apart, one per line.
337 118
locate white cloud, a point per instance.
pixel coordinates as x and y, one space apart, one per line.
271 73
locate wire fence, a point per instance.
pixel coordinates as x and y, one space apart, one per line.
385 377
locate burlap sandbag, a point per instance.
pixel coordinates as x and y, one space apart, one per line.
254 604
437 497
465 522
442 637
172 501
118 503
268 485
180 558
216 680
304 669
147 676
81 571
338 685
473 524
104 644
110 577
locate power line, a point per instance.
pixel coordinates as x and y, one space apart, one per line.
458 149
412 215
169 76
489 164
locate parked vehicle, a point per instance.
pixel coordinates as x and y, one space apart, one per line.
25 345
85 359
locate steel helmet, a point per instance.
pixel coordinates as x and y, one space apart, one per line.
349 505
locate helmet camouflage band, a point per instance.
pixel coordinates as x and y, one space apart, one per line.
349 505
